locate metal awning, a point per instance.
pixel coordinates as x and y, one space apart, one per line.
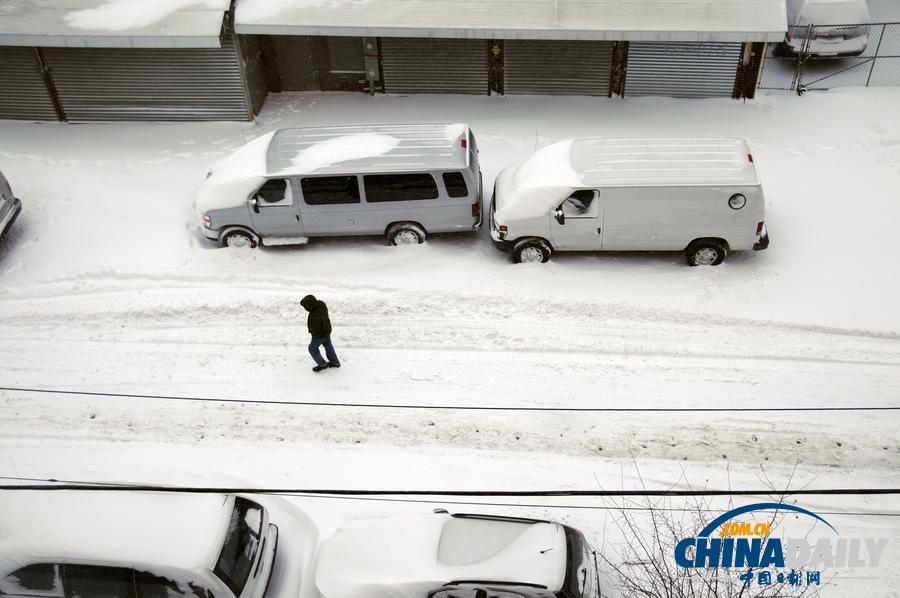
639 20
112 23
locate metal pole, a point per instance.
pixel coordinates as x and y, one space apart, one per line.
51 86
877 50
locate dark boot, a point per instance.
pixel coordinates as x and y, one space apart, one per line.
319 368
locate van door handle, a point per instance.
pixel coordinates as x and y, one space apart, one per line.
598 231
297 217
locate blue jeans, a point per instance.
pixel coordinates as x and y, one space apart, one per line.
323 341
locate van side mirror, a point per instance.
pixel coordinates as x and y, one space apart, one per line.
254 203
560 217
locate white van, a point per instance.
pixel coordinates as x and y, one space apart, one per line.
401 181
60 544
834 28
700 196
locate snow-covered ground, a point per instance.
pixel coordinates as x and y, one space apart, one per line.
107 285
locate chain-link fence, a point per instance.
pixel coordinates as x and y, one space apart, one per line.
826 56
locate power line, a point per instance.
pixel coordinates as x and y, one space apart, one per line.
51 484
439 407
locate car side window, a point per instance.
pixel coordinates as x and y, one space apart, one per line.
34 580
400 187
275 192
455 183
328 190
580 204
88 581
154 586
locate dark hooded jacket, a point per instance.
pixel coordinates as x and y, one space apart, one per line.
317 322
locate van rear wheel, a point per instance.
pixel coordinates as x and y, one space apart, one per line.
239 239
705 253
531 251
406 234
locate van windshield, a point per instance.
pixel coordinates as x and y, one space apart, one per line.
241 544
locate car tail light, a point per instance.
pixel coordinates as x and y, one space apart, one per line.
760 227
463 143
476 209
750 157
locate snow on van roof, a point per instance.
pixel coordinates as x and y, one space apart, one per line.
367 148
405 557
555 170
350 149
135 528
611 162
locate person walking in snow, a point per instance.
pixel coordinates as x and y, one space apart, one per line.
319 327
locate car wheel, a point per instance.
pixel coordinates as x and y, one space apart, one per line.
706 253
531 251
406 234
239 239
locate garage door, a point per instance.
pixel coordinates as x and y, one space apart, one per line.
556 67
684 70
149 84
418 65
23 92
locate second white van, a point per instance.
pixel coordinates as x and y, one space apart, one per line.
699 196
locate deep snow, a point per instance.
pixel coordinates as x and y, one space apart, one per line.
108 285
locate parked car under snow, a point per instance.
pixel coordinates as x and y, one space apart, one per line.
139 545
10 206
401 181
444 555
826 28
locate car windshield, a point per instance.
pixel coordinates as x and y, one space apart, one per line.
241 544
578 582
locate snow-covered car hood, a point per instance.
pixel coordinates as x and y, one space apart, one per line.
405 557
232 180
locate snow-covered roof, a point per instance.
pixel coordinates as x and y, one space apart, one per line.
368 148
639 20
555 170
112 23
405 557
356 149
612 162
149 529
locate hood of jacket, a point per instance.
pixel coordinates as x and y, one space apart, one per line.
310 303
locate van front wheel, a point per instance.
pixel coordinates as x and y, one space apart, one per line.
406 234
705 253
531 251
239 239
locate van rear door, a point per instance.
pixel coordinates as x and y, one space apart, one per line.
577 223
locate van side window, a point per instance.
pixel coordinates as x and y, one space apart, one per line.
455 183
153 586
325 190
400 187
88 581
580 204
275 192
34 580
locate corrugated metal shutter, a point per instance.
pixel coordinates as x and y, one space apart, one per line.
682 69
23 92
419 65
184 84
556 67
